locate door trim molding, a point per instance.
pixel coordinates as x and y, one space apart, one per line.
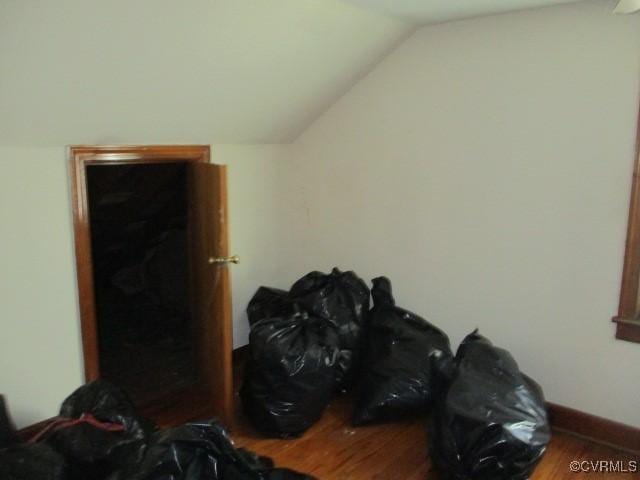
81 156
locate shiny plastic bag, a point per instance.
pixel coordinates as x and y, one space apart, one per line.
290 375
398 375
97 431
200 451
491 423
269 302
342 298
32 462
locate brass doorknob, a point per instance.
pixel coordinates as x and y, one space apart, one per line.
232 259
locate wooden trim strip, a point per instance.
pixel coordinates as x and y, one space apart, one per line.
596 429
627 329
593 428
628 307
240 355
626 321
27 433
80 156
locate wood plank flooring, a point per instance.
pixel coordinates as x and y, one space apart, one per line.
334 450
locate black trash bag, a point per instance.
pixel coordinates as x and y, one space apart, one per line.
399 376
491 423
8 434
269 302
343 299
199 451
32 462
290 375
108 432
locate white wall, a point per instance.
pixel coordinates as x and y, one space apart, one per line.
148 71
40 352
40 346
485 167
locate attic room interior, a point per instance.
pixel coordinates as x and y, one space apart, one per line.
319 239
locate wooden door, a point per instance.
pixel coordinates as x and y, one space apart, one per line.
210 284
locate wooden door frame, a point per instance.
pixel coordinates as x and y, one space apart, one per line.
80 157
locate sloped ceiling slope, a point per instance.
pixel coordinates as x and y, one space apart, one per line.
221 71
423 12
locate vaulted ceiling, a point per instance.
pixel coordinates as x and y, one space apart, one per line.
211 71
433 11
194 71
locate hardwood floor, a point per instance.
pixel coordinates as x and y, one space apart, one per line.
334 450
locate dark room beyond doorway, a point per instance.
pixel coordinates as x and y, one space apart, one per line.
139 242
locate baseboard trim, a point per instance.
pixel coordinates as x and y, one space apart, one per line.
590 427
565 419
597 429
27 433
240 354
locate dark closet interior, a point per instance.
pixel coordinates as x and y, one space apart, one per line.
139 238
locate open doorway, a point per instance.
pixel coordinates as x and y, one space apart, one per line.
151 239
139 249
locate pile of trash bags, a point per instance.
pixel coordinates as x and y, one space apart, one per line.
304 345
488 420
99 436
